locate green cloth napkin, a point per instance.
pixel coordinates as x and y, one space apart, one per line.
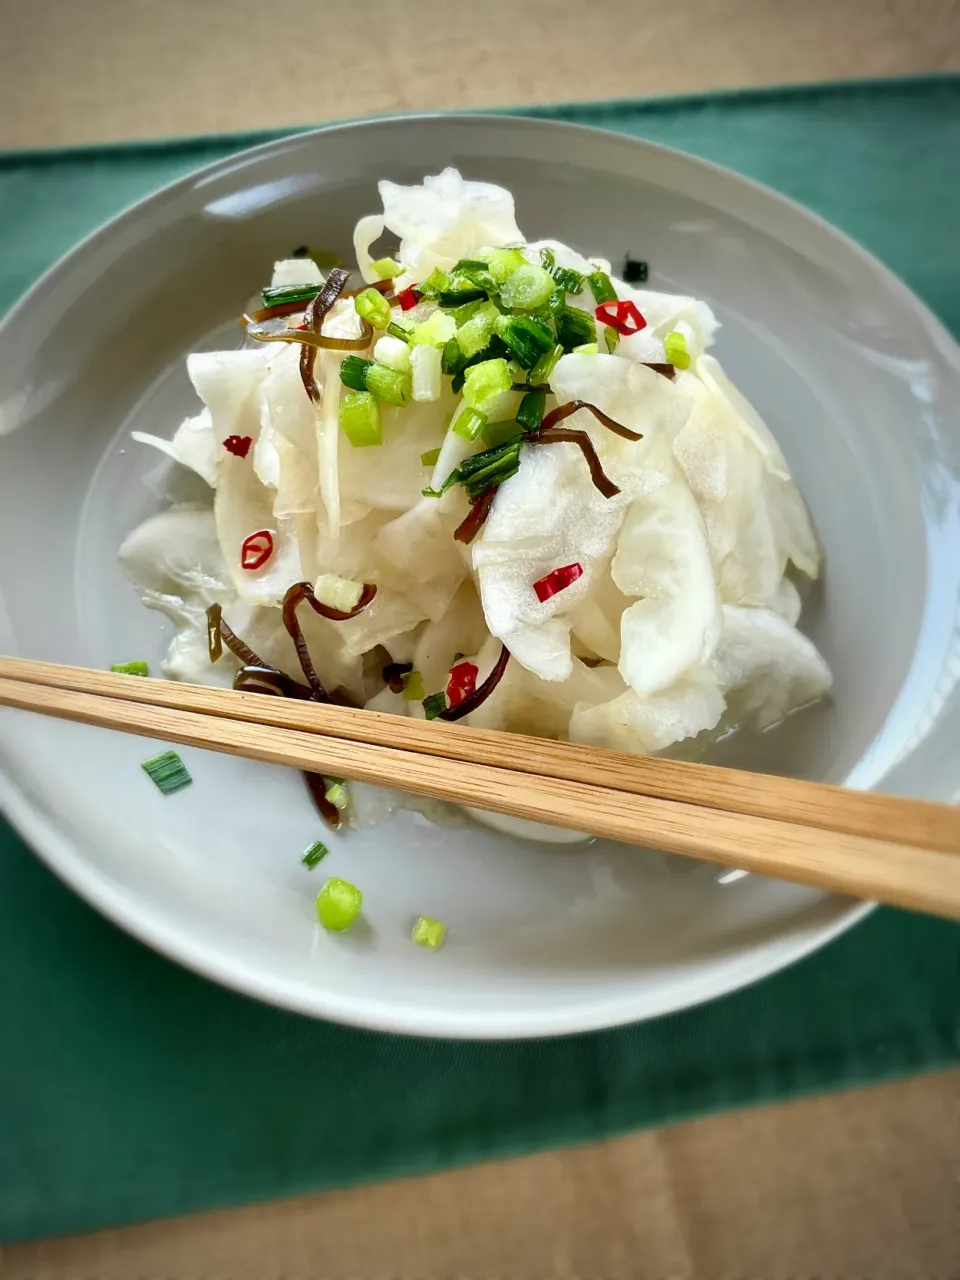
131 1089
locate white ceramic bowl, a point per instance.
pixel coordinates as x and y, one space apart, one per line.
856 378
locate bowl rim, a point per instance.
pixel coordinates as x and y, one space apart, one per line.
58 852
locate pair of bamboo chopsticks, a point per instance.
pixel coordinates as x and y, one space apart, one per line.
867 845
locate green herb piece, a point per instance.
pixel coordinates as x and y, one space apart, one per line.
451 298
588 349
353 372
548 259
434 705
373 307
413 690
393 352
494 350
635 270
675 347
469 309
360 419
338 904
386 268
474 271
498 433
490 467
526 338
611 339
314 854
474 335
469 423
574 328
168 771
437 282
389 385
438 328
286 293
131 668
430 458
527 288
530 413
484 383
567 279
452 358
539 375
503 262
399 331
601 287
428 932
336 793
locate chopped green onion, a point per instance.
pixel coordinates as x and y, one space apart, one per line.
342 594
474 335
469 423
675 347
493 466
337 793
430 458
436 330
413 690
353 372
567 279
425 371
437 282
497 433
503 262
475 272
484 382
393 352
496 349
314 854
588 349
131 668
373 307
541 371
451 298
428 932
574 328
548 259
530 413
434 705
399 331
451 358
360 419
526 338
611 338
462 314
601 287
389 385
635 271
527 288
338 904
168 771
287 293
386 268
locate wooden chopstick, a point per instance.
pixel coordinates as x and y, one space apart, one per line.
421 758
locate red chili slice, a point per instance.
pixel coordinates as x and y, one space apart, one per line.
408 298
239 446
557 580
624 317
462 683
256 550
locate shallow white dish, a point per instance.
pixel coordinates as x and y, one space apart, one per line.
859 383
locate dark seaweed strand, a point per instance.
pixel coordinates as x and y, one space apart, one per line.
291 601
317 786
313 320
481 693
270 681
476 517
565 410
393 674
665 370
219 634
564 435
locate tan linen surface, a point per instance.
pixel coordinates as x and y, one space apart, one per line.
855 1186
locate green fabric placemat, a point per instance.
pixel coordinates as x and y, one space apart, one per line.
130 1088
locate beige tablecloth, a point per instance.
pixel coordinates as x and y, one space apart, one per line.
856 1186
